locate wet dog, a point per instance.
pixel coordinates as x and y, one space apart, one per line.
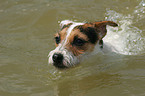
77 40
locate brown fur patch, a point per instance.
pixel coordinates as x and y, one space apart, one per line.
110 23
77 50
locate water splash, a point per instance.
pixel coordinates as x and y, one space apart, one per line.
128 39
139 11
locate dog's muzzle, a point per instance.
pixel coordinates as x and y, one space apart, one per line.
62 59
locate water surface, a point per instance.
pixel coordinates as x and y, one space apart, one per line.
26 37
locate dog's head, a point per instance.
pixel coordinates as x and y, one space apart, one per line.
76 40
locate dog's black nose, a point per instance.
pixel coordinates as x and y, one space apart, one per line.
58 61
57 58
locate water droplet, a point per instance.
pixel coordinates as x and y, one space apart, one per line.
143 4
127 7
136 11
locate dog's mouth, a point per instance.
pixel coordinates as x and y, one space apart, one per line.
60 65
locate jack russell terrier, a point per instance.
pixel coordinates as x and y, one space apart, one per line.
77 40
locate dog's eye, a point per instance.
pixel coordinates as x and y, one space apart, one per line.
79 42
57 40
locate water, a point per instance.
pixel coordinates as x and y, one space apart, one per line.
26 35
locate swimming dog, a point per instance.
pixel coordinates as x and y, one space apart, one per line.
76 40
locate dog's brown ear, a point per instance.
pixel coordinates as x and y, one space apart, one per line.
100 27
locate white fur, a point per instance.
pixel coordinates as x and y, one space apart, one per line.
65 22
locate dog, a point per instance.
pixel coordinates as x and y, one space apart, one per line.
77 40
